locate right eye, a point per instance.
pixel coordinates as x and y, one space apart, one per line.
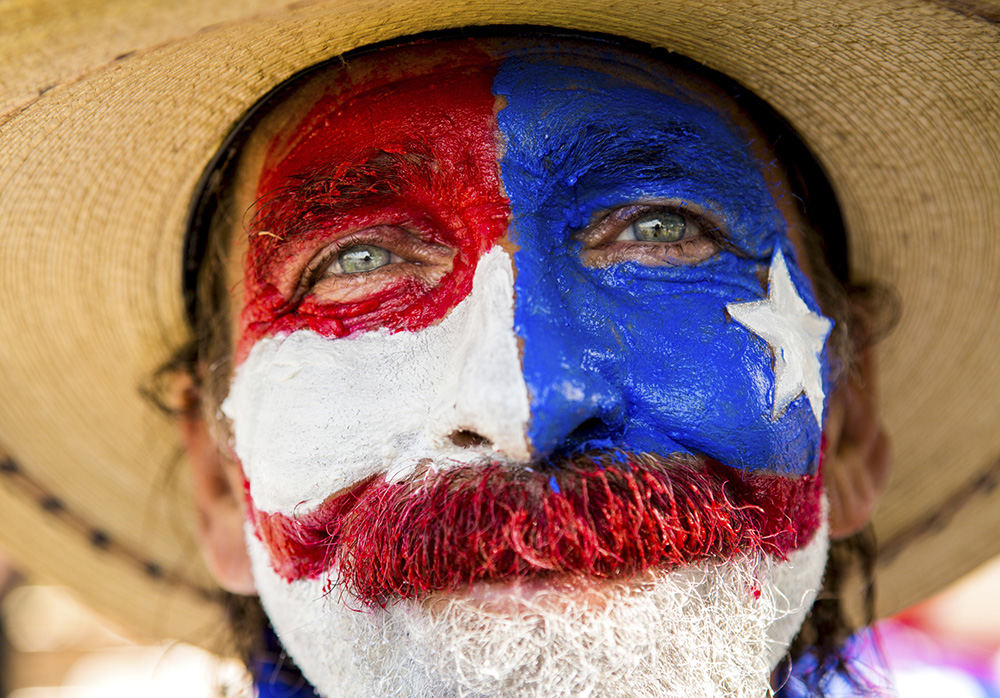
367 261
359 259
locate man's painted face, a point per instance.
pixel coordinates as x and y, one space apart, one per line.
524 319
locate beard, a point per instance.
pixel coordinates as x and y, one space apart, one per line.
704 602
711 628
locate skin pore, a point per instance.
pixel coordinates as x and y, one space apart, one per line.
424 166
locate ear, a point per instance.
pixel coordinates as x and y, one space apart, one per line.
858 453
217 484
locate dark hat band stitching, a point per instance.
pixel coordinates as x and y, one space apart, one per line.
97 537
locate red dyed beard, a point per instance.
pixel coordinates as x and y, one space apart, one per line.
602 515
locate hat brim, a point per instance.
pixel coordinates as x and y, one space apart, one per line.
110 114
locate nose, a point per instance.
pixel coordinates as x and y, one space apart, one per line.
573 405
484 401
531 377
569 367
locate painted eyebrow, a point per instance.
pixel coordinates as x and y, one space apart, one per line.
670 152
329 192
627 153
612 154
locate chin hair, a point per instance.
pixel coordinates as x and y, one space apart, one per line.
702 630
714 628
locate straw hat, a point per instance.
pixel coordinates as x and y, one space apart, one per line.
111 109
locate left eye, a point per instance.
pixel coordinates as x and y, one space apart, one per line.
652 234
660 226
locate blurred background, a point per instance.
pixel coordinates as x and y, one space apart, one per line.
53 647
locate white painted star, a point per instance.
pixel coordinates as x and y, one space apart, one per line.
795 334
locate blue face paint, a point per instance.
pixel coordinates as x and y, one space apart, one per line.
644 356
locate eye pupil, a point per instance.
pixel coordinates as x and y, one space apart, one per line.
660 227
362 258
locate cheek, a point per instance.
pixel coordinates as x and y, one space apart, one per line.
318 630
795 583
312 415
702 382
650 360
301 427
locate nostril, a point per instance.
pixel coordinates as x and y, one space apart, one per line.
588 430
466 438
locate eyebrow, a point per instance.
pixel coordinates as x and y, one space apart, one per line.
625 153
329 192
641 155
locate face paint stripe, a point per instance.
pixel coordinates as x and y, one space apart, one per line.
645 358
416 157
312 415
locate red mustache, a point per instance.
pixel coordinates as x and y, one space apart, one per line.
604 515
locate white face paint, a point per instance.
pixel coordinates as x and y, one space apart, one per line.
699 631
312 415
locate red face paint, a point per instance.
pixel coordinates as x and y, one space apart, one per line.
604 517
418 154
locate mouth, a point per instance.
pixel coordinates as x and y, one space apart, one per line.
596 516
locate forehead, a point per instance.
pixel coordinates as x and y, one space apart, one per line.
431 89
452 94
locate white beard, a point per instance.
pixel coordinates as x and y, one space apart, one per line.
698 631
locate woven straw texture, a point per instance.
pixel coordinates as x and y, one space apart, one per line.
110 110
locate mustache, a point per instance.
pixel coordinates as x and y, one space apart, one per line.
604 515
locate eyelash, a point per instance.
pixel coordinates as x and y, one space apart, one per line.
317 266
706 223
411 254
602 246
315 270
